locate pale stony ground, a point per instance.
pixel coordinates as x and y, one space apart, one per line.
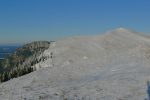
113 66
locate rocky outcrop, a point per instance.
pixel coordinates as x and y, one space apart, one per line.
38 44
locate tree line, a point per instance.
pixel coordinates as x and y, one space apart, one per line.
14 73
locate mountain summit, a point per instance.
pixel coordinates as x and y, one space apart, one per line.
113 66
121 29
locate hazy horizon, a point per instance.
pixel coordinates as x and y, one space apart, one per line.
32 20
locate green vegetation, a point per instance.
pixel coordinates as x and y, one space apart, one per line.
14 73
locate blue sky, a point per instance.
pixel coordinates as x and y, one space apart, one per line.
23 21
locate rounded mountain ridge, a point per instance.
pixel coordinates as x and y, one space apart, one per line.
122 30
88 67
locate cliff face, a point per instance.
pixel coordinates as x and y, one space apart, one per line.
37 44
24 57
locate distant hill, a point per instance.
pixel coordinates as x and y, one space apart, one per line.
19 60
